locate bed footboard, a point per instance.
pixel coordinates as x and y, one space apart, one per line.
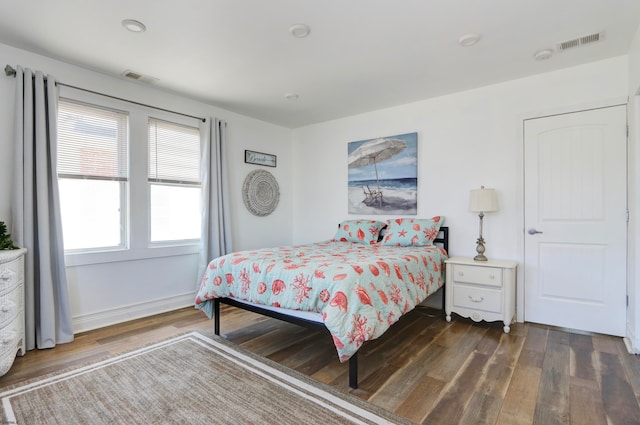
353 360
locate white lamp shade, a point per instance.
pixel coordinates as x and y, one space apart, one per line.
483 200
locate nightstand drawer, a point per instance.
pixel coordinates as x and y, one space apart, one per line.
477 298
490 276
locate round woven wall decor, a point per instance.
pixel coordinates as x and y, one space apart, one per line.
260 192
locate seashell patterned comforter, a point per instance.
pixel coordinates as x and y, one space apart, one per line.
360 290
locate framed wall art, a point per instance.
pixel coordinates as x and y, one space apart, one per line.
383 175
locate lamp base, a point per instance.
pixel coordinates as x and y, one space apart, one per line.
480 250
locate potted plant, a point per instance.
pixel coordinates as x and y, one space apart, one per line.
5 238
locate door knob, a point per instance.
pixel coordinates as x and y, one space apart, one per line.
533 231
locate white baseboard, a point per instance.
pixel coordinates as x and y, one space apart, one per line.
101 319
629 345
629 341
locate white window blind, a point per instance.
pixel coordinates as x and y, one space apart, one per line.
174 153
92 142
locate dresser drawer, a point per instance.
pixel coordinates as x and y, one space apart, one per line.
475 298
11 272
490 276
11 337
11 304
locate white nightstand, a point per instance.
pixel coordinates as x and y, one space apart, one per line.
481 290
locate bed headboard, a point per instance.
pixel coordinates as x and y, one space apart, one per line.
443 238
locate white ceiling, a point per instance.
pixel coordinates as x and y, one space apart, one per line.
361 55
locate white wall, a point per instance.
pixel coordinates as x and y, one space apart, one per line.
633 311
110 292
465 140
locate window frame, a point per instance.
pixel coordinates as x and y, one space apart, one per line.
123 183
136 224
162 182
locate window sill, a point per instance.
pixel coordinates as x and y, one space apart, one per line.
121 255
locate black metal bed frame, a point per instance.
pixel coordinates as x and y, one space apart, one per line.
443 239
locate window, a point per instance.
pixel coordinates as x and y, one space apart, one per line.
129 179
93 175
174 181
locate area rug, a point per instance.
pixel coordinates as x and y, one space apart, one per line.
190 379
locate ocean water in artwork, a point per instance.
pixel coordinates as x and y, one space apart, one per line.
383 175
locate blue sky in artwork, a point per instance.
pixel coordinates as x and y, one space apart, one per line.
401 165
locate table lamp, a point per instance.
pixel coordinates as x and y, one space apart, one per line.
482 201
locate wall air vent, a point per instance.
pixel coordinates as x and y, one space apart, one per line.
138 76
580 41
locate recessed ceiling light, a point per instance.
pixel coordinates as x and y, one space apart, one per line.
291 96
133 25
469 39
544 54
299 30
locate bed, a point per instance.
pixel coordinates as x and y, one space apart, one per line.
355 286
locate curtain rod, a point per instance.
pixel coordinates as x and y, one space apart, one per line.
11 72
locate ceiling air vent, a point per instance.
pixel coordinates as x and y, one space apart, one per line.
580 41
569 44
592 38
138 76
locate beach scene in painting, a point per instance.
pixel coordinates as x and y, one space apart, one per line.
383 175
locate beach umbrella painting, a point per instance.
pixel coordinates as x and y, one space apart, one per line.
374 152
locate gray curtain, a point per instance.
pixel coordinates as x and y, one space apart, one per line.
35 209
216 227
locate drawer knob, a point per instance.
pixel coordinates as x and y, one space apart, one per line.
491 276
7 338
460 273
8 306
476 300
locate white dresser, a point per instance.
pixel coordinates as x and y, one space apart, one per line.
12 339
481 290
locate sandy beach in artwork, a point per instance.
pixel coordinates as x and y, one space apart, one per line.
393 201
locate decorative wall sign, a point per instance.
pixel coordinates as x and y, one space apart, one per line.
259 158
260 192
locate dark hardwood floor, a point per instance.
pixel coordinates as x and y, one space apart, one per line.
424 368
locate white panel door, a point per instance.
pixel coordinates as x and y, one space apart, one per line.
576 220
